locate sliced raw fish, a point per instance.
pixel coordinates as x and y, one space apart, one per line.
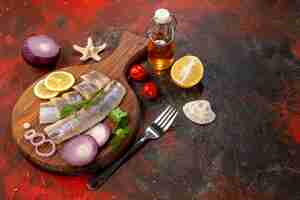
58 102
72 97
49 113
86 89
87 118
96 78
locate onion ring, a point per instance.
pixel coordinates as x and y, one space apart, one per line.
30 134
42 136
48 154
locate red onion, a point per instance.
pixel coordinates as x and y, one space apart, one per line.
100 133
30 134
80 150
38 139
41 51
49 153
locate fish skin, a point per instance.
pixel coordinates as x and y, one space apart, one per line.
86 89
59 102
85 119
72 97
96 78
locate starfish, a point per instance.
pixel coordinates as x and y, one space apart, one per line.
90 51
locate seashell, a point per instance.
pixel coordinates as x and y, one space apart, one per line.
199 112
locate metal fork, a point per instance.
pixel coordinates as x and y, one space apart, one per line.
160 125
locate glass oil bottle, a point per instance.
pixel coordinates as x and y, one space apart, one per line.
161 46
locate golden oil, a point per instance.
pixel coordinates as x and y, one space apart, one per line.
161 46
161 54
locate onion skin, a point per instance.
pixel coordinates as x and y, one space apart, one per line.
41 51
80 150
100 133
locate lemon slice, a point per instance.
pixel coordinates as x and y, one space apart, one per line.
42 92
187 71
59 81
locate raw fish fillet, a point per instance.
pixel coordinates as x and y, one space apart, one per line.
86 89
49 113
96 78
72 97
84 119
58 102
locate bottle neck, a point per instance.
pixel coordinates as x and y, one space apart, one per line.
165 32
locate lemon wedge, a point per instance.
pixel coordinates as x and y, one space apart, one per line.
42 92
59 81
187 71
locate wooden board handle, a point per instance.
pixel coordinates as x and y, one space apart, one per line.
131 47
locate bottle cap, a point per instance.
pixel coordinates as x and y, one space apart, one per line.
162 16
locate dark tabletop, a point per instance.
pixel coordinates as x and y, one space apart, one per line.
252 78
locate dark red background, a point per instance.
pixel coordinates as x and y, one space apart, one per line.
250 51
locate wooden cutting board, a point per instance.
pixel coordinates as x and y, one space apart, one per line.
131 48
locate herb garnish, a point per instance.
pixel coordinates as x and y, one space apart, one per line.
119 135
122 130
72 108
119 117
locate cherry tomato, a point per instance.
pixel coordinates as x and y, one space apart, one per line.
137 72
150 90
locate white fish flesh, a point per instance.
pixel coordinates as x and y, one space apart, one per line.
85 119
72 97
96 78
49 113
86 89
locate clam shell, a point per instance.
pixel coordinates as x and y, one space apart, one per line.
199 112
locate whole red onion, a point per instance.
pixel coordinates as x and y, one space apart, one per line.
41 51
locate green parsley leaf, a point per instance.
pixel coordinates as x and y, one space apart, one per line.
119 136
122 131
119 117
67 110
70 109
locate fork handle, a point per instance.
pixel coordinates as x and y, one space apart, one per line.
96 182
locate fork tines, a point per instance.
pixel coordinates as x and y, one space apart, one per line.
166 118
